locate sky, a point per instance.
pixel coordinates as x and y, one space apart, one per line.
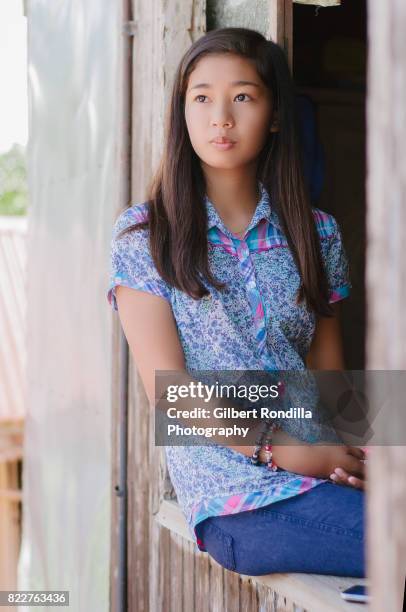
13 74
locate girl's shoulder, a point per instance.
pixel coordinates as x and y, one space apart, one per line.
326 223
131 262
136 213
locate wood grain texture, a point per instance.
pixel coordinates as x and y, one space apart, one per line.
202 583
176 573
266 598
189 576
231 591
162 33
119 344
313 592
216 591
10 526
280 26
138 478
386 287
248 595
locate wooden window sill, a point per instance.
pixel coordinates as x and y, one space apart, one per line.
312 592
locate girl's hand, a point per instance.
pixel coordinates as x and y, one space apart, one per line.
320 461
349 468
340 476
346 463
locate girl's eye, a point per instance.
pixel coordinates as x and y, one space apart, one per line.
242 94
237 96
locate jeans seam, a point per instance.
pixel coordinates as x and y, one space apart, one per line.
316 525
227 541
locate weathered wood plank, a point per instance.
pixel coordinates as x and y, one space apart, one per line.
160 570
282 604
231 591
176 573
266 598
202 584
216 591
10 510
314 592
171 516
119 345
162 32
280 26
189 576
139 536
248 595
386 289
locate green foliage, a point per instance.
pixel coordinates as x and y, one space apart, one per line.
13 182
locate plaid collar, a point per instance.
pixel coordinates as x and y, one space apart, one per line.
264 210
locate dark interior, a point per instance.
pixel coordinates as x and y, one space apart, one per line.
329 67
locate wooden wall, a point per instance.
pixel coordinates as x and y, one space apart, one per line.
194 581
164 30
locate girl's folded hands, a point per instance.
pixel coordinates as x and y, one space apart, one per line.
346 477
342 464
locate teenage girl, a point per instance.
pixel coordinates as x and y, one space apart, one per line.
228 266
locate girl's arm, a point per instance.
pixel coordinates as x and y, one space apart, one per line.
151 333
152 336
326 350
326 353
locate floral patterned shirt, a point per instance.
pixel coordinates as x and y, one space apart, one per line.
254 324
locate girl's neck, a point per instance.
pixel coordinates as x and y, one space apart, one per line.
235 200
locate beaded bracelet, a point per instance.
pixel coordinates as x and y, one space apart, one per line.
268 439
268 448
258 444
265 440
266 432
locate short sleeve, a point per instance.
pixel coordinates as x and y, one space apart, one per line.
336 261
131 264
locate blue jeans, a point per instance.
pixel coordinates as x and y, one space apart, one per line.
320 531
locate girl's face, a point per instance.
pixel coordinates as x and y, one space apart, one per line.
225 97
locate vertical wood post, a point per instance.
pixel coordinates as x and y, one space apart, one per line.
386 286
281 26
118 567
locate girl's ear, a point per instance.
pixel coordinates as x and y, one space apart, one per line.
274 127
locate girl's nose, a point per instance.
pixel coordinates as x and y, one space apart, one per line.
227 123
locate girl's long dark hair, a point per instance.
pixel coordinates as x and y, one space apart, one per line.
177 217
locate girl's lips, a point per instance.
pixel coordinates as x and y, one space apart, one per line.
223 146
